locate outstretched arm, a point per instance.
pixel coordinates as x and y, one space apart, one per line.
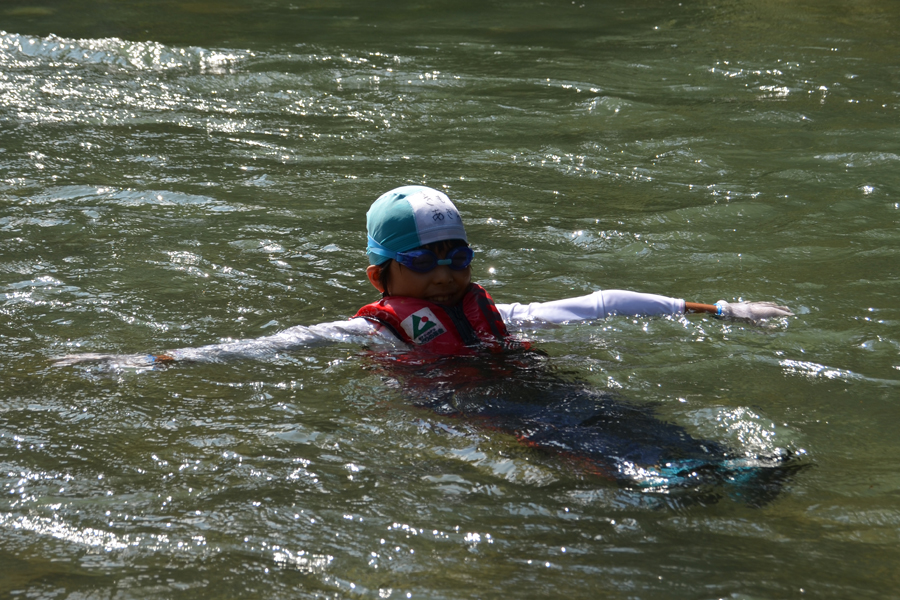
605 303
354 331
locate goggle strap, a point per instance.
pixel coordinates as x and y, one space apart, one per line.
376 248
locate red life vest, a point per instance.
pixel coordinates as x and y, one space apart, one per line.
460 329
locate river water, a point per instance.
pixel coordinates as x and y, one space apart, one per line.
180 173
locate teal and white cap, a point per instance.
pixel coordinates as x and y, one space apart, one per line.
408 217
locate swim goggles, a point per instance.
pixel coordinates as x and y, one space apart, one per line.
422 260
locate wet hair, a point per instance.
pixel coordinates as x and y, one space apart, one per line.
437 247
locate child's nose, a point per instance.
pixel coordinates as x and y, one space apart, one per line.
442 273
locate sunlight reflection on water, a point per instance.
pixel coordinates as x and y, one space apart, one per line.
212 185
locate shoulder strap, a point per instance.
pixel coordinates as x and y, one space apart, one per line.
382 314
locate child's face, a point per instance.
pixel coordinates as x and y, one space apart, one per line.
441 285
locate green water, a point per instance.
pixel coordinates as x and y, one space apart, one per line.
179 173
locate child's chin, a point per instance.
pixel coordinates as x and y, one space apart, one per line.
448 299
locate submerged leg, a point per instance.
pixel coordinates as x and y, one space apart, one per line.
623 441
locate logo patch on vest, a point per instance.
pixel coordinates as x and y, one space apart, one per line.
422 326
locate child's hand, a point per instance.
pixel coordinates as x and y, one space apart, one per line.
120 360
751 311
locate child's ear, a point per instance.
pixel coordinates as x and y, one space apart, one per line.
374 274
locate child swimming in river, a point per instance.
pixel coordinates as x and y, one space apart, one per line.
440 330
419 259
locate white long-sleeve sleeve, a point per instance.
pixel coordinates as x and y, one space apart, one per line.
599 305
356 331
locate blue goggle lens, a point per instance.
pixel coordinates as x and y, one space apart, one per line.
423 261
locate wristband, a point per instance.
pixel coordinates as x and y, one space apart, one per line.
720 307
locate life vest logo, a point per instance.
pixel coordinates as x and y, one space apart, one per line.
422 326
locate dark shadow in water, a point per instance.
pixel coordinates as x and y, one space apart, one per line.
519 393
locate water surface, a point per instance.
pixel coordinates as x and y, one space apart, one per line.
179 173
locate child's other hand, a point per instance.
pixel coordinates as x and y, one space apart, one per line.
120 360
752 311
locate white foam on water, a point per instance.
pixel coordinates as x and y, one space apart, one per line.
18 51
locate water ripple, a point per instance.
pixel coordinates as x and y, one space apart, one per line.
24 51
